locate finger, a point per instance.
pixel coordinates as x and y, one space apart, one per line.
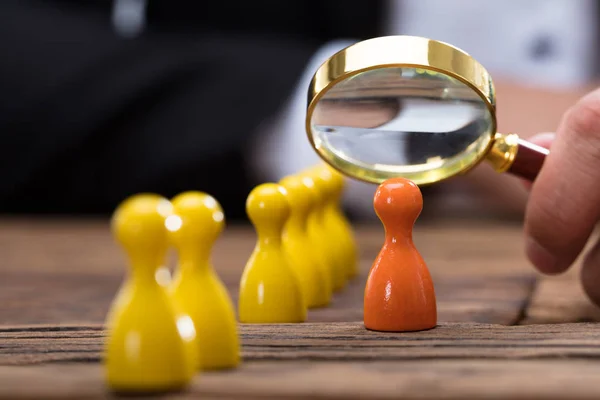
564 202
541 139
590 274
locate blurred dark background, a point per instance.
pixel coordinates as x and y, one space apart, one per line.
90 115
104 99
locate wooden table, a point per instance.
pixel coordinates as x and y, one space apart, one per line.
504 331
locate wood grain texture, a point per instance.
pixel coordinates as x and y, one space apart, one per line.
58 279
69 271
422 379
557 299
27 345
337 360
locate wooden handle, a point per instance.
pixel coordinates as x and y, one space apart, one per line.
528 160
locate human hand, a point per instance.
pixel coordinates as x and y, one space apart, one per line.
525 110
564 203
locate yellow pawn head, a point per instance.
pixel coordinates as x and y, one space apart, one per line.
315 185
324 182
300 197
268 208
337 183
198 219
138 224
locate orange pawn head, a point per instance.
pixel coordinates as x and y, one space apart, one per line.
399 294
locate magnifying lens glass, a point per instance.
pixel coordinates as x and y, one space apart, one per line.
411 107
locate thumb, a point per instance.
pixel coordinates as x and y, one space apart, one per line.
564 203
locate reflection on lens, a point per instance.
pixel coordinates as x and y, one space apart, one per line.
402 121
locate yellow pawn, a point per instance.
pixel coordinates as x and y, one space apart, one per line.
337 222
193 230
313 275
270 291
324 239
151 346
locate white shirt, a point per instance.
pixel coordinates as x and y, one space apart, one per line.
537 42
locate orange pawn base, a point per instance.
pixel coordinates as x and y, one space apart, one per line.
399 299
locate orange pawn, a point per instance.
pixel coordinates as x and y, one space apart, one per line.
399 294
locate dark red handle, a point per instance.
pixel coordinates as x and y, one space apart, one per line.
528 160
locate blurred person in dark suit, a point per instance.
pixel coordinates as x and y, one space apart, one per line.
103 99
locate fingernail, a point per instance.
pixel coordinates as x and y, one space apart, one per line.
543 139
543 260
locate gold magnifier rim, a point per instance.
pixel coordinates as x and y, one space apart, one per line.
400 51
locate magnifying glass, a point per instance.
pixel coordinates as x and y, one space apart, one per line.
411 107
